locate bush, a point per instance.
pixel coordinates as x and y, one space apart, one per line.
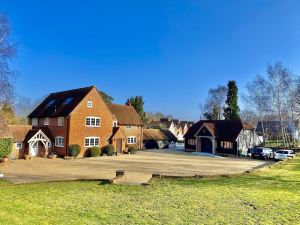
6 145
74 150
132 150
94 151
109 150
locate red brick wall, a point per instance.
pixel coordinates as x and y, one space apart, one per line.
136 131
56 131
78 130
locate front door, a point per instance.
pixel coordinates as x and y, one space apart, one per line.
206 145
34 149
119 145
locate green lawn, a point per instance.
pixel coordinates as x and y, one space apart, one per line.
270 197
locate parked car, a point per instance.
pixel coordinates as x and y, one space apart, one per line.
284 154
262 153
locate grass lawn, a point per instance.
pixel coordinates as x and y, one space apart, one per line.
269 197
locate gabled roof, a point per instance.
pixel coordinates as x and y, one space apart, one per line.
169 135
19 132
126 115
32 132
227 130
60 103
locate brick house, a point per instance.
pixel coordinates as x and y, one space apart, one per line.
78 116
225 137
128 122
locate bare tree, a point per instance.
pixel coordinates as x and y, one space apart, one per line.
7 52
279 80
258 99
214 104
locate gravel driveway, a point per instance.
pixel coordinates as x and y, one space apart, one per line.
140 167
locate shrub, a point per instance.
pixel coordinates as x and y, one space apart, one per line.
74 150
132 150
6 145
94 151
109 150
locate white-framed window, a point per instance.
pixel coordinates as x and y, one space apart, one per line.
46 121
89 104
92 121
34 121
128 126
19 145
60 121
115 123
59 141
131 140
91 141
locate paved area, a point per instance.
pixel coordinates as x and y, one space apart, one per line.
138 167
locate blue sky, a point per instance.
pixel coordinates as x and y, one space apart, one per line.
170 52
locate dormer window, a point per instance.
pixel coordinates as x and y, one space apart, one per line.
34 121
68 101
89 104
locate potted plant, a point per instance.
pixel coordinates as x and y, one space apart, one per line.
27 157
6 145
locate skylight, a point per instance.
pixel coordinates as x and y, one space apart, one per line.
68 100
51 102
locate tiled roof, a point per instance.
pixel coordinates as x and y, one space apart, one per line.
19 132
126 115
227 130
60 103
154 134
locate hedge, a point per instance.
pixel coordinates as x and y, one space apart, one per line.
74 150
6 145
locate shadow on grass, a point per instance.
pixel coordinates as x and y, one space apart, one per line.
104 182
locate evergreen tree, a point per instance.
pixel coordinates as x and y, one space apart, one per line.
232 110
214 115
138 104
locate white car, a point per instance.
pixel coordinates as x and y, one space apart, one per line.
284 154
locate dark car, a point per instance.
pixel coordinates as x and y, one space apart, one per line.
261 153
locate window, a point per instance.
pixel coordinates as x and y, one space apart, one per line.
68 101
46 121
34 121
19 145
59 141
91 141
226 144
92 121
192 142
51 102
49 145
131 140
128 126
115 123
60 121
89 104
